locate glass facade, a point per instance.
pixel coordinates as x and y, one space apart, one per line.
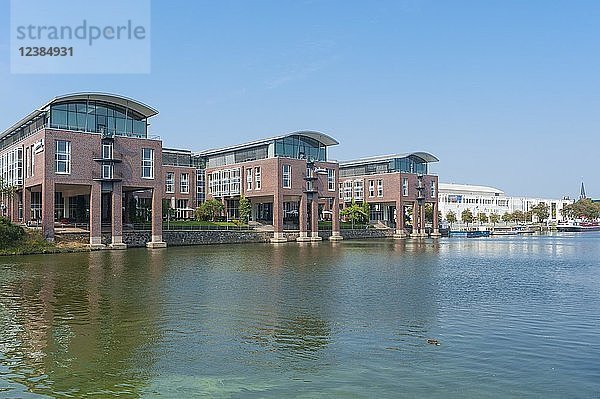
410 164
300 147
98 117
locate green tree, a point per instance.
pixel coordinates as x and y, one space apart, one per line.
482 217
245 209
541 211
507 217
451 218
355 213
494 218
209 210
467 216
583 209
518 216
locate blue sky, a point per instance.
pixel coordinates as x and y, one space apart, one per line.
506 93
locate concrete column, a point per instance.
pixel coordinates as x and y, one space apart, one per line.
436 230
415 220
335 220
157 239
96 216
278 235
400 233
422 232
117 217
314 219
303 218
48 210
26 205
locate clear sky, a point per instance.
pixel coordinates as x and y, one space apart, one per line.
506 93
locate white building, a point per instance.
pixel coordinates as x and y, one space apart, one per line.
489 200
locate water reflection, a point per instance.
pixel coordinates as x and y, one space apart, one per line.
71 323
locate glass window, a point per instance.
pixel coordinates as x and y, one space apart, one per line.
249 178
107 171
170 182
287 176
358 190
147 163
348 190
380 188
371 188
184 183
257 177
432 189
235 181
107 151
330 179
62 157
405 186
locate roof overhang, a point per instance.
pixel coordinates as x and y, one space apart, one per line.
425 156
123 101
322 138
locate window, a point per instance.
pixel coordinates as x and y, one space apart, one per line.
287 176
371 188
341 190
380 188
225 181
348 190
405 186
147 163
27 161
235 181
331 179
32 162
107 171
107 151
432 189
63 157
249 178
184 183
257 178
358 190
170 182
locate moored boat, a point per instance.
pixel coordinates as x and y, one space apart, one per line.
577 227
469 233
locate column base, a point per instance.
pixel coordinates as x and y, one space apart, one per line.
400 234
118 245
96 243
278 238
435 234
336 236
155 244
303 237
315 236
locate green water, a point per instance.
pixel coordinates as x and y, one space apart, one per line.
516 317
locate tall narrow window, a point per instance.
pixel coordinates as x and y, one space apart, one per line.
249 179
330 179
63 157
432 189
358 190
27 161
341 190
107 170
405 186
107 151
170 182
380 188
32 161
371 188
235 181
257 178
184 183
287 176
147 163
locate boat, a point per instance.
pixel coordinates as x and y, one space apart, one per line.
469 233
577 227
504 232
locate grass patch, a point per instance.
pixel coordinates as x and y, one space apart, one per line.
33 243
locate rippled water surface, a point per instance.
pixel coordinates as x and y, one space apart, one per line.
515 317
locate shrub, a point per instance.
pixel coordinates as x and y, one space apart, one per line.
9 233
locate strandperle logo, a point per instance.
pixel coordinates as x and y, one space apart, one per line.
65 36
85 32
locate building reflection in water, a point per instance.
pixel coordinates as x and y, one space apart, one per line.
70 323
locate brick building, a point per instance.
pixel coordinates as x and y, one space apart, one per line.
287 178
391 183
80 157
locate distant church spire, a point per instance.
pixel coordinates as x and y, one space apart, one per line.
582 195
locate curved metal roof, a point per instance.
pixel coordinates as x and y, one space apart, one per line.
313 134
425 156
123 101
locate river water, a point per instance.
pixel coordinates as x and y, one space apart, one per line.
514 317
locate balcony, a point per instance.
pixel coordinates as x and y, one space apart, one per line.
115 177
117 157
